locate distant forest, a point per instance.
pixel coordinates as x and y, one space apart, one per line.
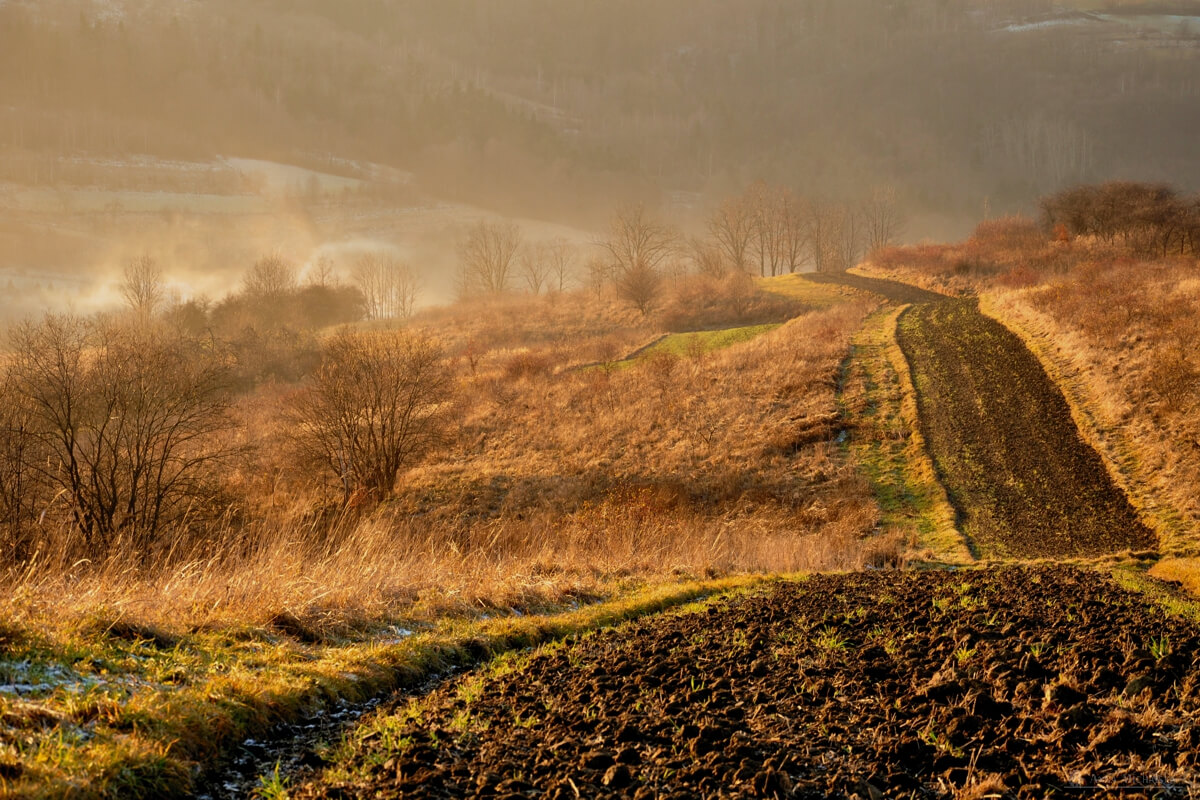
527 102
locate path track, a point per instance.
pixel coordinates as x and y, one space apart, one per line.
1002 436
1009 681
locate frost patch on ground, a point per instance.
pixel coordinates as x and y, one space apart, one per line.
33 679
21 678
396 635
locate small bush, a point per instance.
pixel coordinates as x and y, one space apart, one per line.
528 364
705 303
1021 277
1174 379
1013 233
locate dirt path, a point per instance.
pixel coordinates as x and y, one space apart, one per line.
892 290
1005 444
1002 437
1009 681
1012 682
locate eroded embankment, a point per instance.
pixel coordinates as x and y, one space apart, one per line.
1014 682
1005 443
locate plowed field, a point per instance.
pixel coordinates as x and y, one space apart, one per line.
1005 444
1007 682
1002 437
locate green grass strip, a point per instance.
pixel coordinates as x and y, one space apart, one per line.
1133 576
679 344
152 716
879 403
798 287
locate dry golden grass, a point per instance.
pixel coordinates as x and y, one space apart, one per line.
737 434
562 482
564 328
567 485
1184 571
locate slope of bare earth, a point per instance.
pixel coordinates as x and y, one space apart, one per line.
1005 682
1002 435
1005 443
1116 331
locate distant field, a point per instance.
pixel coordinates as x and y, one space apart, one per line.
48 201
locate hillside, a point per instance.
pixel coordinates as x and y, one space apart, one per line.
625 99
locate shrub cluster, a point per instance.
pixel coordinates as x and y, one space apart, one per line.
1153 219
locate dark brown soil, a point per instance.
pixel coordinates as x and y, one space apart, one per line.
893 290
1005 444
1007 682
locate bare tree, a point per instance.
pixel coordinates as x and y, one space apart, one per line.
707 258
794 244
780 239
821 226
535 265
732 227
142 286
765 237
376 406
562 261
487 252
882 222
271 278
322 274
22 491
389 287
599 274
1045 151
848 237
638 247
128 419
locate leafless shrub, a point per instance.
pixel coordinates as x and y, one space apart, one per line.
1008 233
127 421
487 254
1174 379
599 275
389 286
376 406
528 364
1151 218
638 248
142 286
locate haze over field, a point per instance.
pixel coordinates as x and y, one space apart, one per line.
210 133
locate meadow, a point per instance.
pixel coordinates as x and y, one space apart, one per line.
571 477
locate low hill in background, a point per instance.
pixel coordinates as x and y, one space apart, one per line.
533 109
